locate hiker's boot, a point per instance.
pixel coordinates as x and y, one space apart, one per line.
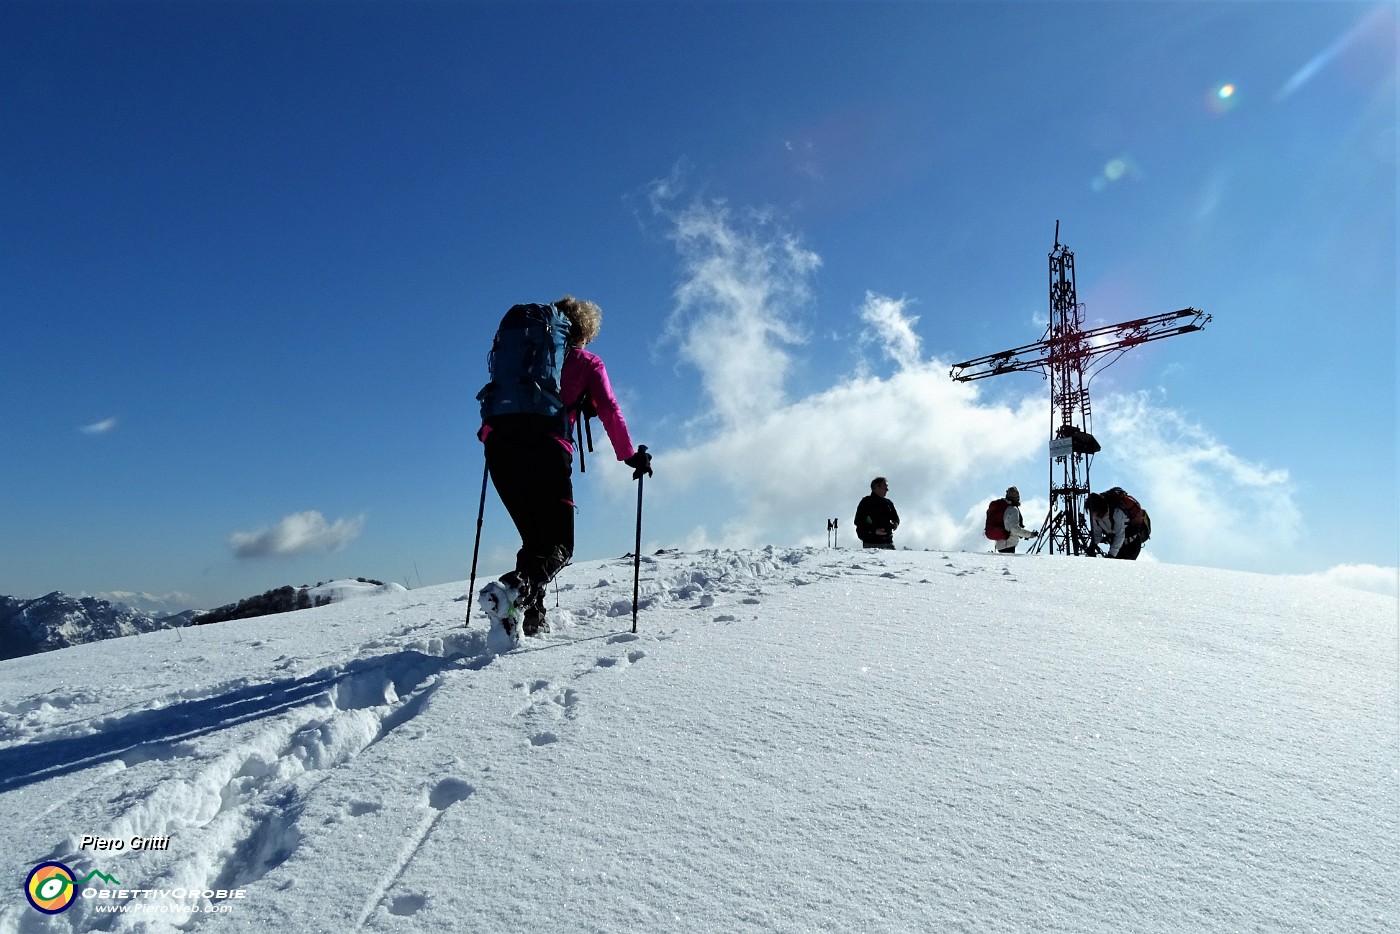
533 620
527 604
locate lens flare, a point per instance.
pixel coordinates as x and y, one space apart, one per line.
1377 26
1222 98
1118 169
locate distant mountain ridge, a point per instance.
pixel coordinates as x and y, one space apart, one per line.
57 621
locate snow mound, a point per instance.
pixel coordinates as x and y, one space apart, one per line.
343 591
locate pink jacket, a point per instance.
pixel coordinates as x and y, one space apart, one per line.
584 372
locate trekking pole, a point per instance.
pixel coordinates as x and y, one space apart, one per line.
637 551
585 439
476 547
584 411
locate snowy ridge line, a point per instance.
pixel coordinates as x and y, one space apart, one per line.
715 571
705 576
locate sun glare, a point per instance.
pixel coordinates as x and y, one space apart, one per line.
1221 98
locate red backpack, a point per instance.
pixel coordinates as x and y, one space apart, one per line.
1118 498
996 520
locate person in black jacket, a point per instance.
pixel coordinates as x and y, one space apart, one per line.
876 517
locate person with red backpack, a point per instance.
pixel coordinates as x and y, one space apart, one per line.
541 378
1006 530
1118 519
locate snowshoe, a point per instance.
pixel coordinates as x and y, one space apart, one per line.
498 602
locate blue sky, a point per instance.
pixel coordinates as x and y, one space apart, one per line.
254 255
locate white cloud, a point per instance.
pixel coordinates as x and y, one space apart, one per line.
892 329
763 468
99 428
1371 577
739 304
923 432
296 534
1213 506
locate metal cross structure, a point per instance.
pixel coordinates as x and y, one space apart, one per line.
1066 353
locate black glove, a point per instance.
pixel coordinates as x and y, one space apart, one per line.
641 461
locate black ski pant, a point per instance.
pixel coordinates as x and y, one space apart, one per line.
1130 550
532 474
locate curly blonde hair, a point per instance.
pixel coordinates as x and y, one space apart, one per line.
587 319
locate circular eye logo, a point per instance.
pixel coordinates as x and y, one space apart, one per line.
50 888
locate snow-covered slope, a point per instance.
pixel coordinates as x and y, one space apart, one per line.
794 740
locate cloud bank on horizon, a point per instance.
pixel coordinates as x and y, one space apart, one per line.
1371 577
738 321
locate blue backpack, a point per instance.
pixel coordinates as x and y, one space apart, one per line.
527 365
